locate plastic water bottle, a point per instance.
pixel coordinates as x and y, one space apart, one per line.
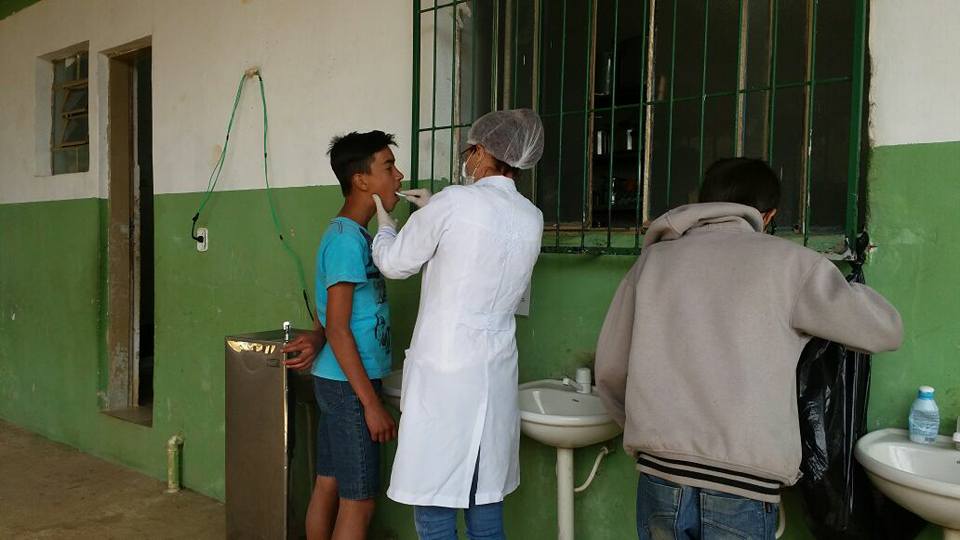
924 417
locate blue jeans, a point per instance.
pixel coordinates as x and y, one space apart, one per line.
484 521
670 511
345 450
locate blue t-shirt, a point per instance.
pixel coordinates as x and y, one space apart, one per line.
344 256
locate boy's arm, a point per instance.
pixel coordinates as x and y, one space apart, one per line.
613 348
308 345
853 314
339 308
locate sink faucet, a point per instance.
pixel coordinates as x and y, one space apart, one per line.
583 383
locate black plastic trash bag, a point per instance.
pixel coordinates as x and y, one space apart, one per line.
833 386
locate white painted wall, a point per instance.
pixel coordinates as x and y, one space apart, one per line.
335 65
329 66
915 86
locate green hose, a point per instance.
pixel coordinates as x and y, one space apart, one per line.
215 177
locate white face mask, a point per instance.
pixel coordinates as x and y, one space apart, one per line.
465 177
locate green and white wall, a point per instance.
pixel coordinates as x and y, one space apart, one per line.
322 77
914 201
339 65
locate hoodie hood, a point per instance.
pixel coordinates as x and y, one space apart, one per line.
679 221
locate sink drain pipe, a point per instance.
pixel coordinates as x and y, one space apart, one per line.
174 444
596 465
565 489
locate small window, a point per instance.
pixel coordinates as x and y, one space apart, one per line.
70 133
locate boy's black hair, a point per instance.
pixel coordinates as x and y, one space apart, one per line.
746 181
353 153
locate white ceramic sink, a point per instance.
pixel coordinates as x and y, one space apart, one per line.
556 415
391 388
924 479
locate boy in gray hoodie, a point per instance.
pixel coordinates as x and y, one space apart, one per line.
698 353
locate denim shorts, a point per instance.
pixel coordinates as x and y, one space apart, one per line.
345 450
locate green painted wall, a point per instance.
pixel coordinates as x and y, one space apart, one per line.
9 7
915 211
914 197
570 297
51 335
52 324
52 327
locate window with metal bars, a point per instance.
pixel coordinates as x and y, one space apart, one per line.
638 97
70 138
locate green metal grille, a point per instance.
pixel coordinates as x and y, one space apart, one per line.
491 65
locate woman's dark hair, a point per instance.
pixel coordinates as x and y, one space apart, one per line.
746 181
502 167
506 169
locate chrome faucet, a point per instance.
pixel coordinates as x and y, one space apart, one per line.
583 382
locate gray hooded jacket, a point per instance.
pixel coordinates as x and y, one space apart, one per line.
698 353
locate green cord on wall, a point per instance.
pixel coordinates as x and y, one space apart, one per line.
215 177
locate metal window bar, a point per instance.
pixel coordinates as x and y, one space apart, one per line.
644 117
537 83
78 82
588 91
563 65
495 56
649 71
670 104
415 101
808 127
772 77
473 77
703 81
454 86
433 106
444 127
508 63
709 95
613 115
646 106
512 59
852 218
738 114
438 7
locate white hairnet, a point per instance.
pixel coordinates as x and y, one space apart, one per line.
515 137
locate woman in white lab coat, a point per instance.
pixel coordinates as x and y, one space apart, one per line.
477 244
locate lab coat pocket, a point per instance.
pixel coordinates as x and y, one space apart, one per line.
442 351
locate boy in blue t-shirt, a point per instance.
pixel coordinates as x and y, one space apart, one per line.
353 314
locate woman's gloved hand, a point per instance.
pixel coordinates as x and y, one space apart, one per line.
419 197
383 217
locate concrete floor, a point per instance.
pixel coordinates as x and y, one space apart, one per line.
49 490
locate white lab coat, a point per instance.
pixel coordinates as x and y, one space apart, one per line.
477 245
